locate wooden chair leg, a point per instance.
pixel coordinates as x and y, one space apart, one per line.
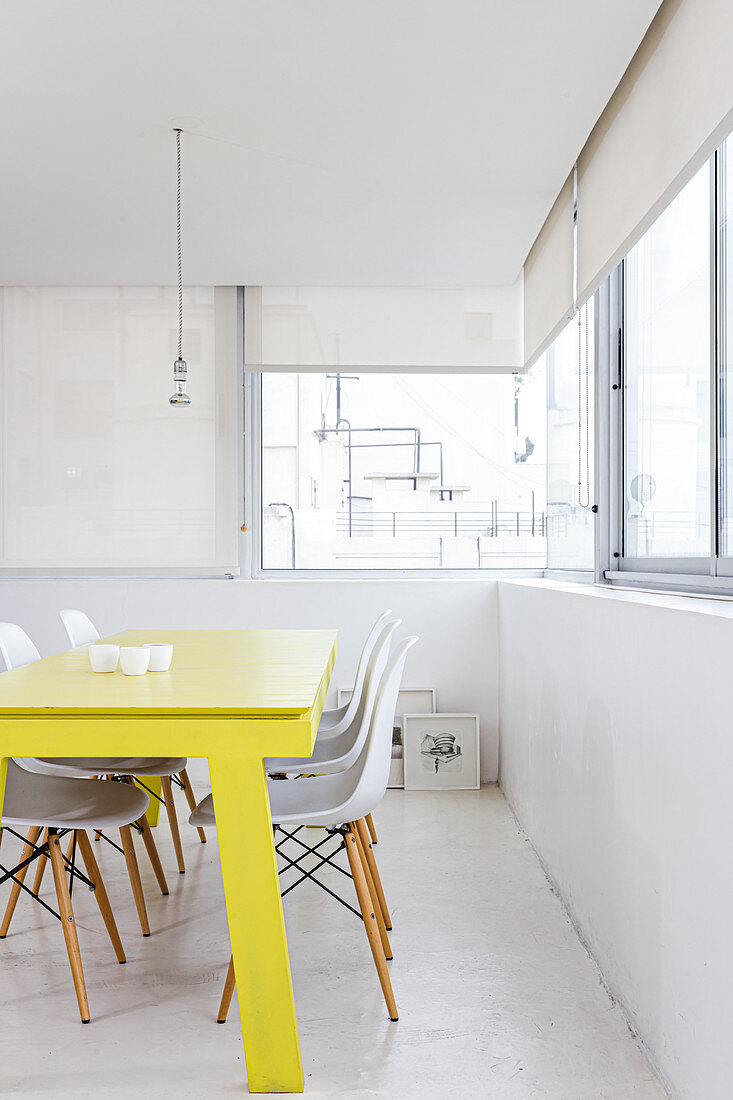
67 922
150 846
226 997
191 799
372 830
28 847
374 898
170 807
152 849
370 920
371 860
100 893
134 872
40 868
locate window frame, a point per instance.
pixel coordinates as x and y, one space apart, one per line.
575 573
712 573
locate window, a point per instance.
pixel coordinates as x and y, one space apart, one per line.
671 416
362 470
667 382
725 350
570 444
98 472
438 464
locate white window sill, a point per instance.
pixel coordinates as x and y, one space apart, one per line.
699 603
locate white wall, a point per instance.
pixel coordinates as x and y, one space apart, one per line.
456 621
617 757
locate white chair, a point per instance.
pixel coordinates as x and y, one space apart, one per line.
336 721
67 805
339 803
18 650
337 752
16 647
79 627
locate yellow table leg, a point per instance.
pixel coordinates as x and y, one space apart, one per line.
256 926
153 783
3 774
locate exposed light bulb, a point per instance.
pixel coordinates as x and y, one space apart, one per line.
180 398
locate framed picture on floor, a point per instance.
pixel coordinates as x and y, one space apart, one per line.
441 752
411 701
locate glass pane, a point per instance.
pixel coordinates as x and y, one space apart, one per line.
726 354
667 395
376 471
570 442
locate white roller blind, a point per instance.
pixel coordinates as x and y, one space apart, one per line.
548 278
384 328
673 106
99 473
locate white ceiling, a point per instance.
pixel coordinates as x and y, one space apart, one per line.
332 142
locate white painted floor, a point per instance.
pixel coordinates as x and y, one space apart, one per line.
497 997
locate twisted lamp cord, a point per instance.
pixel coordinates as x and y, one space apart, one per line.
179 245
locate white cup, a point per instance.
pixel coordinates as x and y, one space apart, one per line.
104 658
134 660
161 655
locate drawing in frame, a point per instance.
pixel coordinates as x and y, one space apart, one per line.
441 752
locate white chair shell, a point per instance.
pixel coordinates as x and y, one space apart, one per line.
336 721
79 627
351 795
337 752
16 647
32 799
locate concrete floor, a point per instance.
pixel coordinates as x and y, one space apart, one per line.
497 997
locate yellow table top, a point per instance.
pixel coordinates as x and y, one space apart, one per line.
272 673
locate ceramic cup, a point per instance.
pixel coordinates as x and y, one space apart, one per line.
103 658
161 655
134 660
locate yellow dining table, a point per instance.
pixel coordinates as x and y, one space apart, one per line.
236 697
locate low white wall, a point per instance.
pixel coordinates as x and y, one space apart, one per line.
456 621
617 757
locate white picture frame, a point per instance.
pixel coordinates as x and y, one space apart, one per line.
396 779
441 752
411 700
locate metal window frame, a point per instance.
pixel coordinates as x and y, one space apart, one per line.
712 573
606 357
572 573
